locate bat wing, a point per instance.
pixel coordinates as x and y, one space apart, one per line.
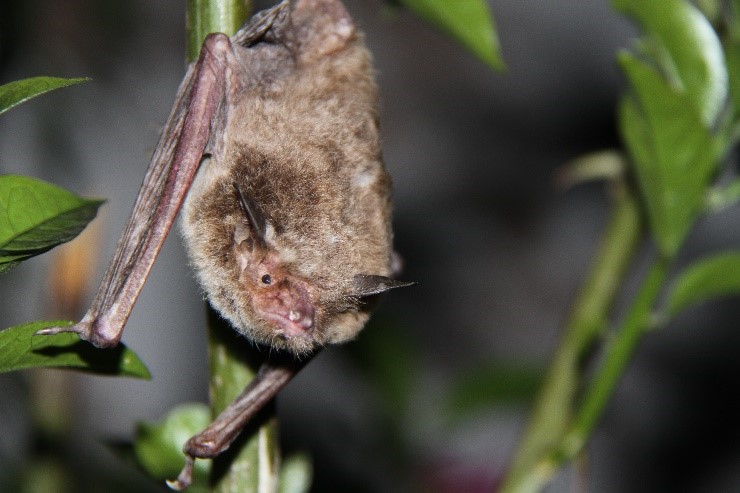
200 108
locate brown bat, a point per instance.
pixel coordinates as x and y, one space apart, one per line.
287 221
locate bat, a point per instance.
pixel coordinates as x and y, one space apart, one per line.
272 151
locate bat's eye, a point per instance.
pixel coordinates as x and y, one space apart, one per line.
266 279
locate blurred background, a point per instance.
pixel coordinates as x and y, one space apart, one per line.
418 402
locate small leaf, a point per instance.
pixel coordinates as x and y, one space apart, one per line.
36 216
158 446
608 164
296 474
468 21
674 153
685 47
731 42
710 278
16 92
7 262
720 198
389 357
486 387
20 349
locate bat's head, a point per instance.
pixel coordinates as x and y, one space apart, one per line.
283 311
286 296
286 305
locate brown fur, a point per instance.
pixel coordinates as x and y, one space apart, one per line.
300 139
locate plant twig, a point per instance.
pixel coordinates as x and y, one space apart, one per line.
553 409
250 465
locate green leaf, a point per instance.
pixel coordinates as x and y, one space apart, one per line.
36 216
20 349
673 151
390 358
710 278
484 388
684 46
16 92
158 446
720 198
7 262
731 41
672 121
468 21
296 474
608 164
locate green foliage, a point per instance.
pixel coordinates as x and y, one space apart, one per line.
709 278
16 92
489 386
677 128
295 474
468 21
720 198
390 360
36 216
158 446
731 42
20 348
666 119
683 46
608 164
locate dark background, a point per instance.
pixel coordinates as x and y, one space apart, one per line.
498 251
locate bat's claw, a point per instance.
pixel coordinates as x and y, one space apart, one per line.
88 331
50 331
185 477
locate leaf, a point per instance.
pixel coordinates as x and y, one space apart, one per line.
158 446
720 198
7 262
710 278
468 21
674 153
14 93
295 474
486 387
20 349
686 49
731 41
608 164
36 216
390 359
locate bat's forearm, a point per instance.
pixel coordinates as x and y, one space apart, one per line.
168 178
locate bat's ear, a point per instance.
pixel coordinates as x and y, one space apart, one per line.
257 222
263 23
365 285
322 27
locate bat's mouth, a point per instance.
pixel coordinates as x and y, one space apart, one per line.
293 323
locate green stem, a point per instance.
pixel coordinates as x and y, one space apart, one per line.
553 408
213 16
617 354
250 464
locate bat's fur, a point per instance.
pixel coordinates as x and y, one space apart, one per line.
300 140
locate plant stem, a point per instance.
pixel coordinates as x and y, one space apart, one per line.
553 409
250 464
213 16
617 354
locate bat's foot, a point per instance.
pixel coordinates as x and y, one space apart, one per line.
87 331
185 477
